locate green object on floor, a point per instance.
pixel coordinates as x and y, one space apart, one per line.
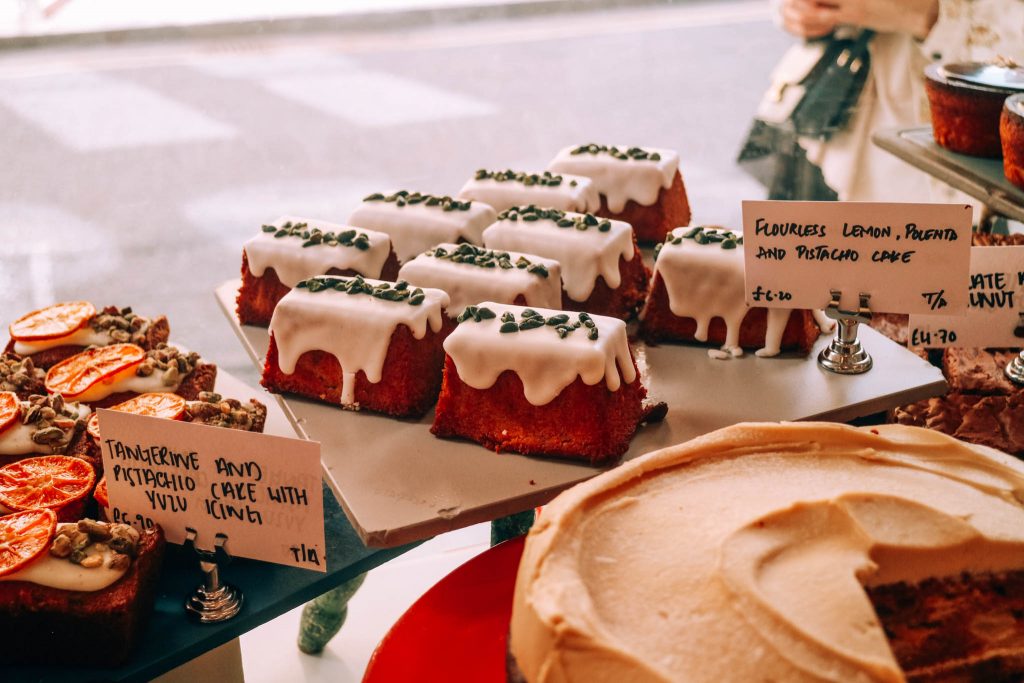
509 527
322 617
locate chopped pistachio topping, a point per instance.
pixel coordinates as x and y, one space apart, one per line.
545 179
169 363
487 258
583 221
315 236
386 291
530 319
54 423
20 374
213 409
86 541
121 324
726 239
403 197
634 153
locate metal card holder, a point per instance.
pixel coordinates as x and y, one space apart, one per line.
212 602
845 355
1015 368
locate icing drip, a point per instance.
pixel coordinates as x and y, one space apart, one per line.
583 254
83 336
468 284
354 328
705 281
59 573
293 263
574 193
621 180
545 361
414 228
765 563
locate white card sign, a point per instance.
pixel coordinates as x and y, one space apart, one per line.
996 302
262 491
911 258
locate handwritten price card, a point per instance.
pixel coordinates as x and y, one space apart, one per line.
262 491
996 302
911 258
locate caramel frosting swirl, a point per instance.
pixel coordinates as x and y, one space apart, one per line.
743 555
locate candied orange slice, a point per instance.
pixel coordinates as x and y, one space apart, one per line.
100 494
52 322
49 481
24 536
75 375
154 404
10 409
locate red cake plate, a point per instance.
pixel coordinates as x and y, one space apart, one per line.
458 630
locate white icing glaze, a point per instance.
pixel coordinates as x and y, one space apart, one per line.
17 439
414 228
505 194
583 254
55 572
354 328
83 336
621 180
545 363
705 281
293 263
469 284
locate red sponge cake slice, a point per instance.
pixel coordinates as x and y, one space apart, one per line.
540 381
359 343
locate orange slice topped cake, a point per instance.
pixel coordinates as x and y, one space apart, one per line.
504 189
540 381
291 249
56 482
359 344
602 270
51 334
641 186
697 293
417 221
472 274
39 425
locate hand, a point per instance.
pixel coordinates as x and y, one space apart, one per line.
915 17
809 18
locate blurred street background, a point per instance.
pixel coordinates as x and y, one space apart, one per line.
143 143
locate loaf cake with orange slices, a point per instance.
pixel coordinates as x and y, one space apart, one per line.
470 274
639 186
291 249
780 552
52 334
602 270
107 375
504 189
39 425
697 294
76 594
359 344
540 382
416 221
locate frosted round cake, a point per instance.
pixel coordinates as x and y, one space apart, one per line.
781 552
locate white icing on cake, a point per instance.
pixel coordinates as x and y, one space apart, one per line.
545 362
17 439
127 381
621 180
293 263
574 193
583 254
414 228
468 283
83 336
704 281
55 572
354 328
